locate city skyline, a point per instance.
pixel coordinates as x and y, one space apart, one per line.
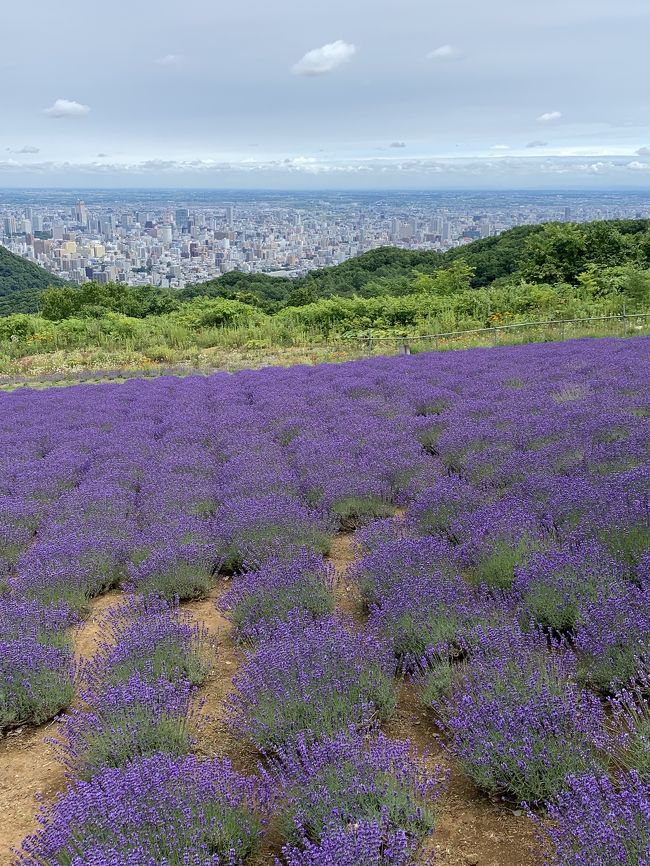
169 238
371 95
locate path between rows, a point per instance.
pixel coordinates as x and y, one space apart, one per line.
471 830
28 763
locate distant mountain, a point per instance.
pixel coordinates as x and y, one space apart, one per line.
21 283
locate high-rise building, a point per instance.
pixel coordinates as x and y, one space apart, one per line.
164 234
81 213
182 217
230 215
10 226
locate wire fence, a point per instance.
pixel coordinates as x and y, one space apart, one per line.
357 345
628 320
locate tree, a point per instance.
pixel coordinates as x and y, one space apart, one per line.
445 281
558 254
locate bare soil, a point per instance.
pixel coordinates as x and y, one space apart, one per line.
472 831
28 763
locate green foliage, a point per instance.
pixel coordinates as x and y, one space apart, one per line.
355 511
557 271
92 300
453 280
21 284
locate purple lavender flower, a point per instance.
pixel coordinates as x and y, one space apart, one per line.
515 720
36 680
595 822
161 809
554 586
614 635
149 636
266 596
251 530
354 778
133 719
361 843
313 678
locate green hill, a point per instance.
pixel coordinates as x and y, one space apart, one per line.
554 253
21 283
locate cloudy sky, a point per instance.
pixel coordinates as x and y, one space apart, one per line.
326 93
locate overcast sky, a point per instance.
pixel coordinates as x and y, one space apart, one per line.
326 93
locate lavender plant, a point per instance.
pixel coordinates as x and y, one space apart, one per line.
595 822
250 530
267 596
362 843
160 809
354 778
313 678
133 719
613 637
515 720
36 681
150 637
554 586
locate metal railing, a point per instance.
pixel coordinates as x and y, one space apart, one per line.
494 330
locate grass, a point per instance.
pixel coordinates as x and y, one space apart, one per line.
224 349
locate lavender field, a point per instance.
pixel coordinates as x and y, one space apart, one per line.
371 614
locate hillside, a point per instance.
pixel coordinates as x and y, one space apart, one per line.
21 283
550 253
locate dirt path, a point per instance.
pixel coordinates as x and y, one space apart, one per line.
28 764
471 830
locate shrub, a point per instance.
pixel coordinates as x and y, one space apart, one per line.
515 720
434 510
362 843
152 638
426 613
268 595
597 823
355 511
631 716
161 809
313 678
393 564
182 571
36 681
554 586
133 719
349 779
251 530
614 634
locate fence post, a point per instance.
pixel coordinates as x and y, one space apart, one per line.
495 336
624 321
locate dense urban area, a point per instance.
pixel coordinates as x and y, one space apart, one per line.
175 238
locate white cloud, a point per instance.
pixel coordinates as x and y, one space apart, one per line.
102 155
441 51
66 108
170 60
320 61
549 116
536 143
26 149
500 147
397 144
635 165
643 151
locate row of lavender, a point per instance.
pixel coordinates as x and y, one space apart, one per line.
525 476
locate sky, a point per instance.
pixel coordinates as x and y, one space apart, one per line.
331 94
